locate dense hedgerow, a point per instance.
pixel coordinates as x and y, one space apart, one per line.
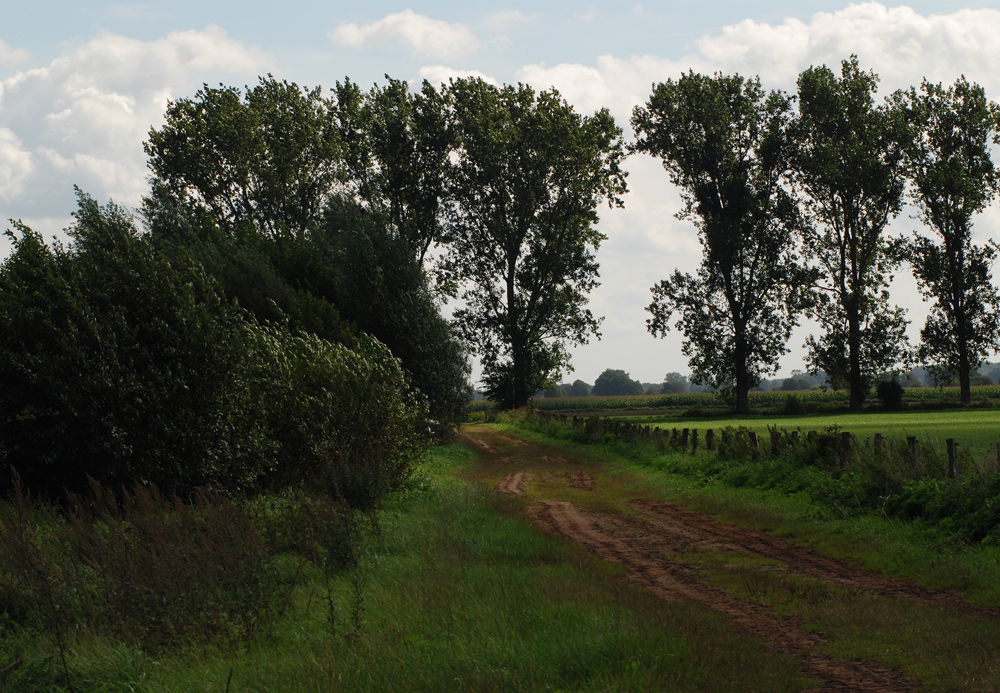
123 364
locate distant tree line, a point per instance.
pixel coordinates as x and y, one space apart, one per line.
612 382
618 382
791 196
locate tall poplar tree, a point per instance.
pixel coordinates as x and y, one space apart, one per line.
849 163
528 177
724 142
953 178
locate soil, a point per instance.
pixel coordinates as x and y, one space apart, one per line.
645 534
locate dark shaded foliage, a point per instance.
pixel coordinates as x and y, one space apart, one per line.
123 364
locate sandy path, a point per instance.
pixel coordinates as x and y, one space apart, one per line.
674 582
680 530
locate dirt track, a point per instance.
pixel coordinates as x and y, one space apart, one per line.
647 532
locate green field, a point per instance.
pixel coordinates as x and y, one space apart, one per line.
977 430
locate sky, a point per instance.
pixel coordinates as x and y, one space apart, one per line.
81 84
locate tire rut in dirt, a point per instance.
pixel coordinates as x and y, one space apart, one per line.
478 444
513 484
581 480
681 530
675 582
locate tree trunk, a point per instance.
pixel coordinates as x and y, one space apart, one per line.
855 379
963 328
963 371
742 399
520 372
742 384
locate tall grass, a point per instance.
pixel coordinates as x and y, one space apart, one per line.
138 572
459 593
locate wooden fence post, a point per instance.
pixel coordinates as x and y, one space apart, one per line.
952 458
879 444
684 438
845 446
709 439
694 441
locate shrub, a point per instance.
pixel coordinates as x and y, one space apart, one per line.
793 405
116 362
890 394
122 363
340 420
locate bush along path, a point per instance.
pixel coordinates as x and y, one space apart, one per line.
849 629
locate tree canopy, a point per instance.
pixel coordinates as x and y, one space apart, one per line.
848 163
615 382
316 212
953 178
724 142
528 177
396 146
266 157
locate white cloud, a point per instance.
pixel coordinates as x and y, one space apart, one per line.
83 118
12 56
16 165
424 36
618 84
899 44
440 74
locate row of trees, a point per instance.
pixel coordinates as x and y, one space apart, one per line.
791 197
621 383
504 181
613 381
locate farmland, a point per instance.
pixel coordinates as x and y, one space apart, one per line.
976 430
773 401
933 415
